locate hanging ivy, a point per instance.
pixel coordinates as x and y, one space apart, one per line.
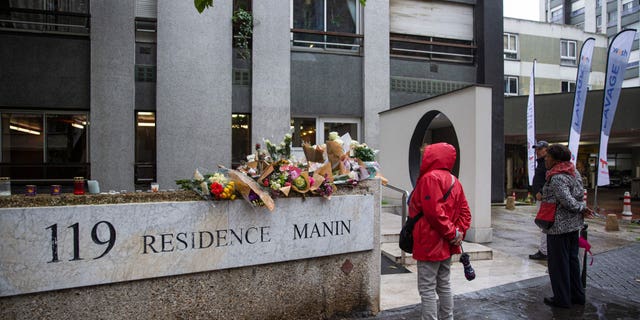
244 20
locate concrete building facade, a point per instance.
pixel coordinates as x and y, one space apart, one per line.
556 68
607 17
151 90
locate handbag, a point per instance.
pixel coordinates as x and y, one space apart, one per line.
406 233
546 216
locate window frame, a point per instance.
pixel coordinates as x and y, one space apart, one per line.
322 46
569 84
517 91
45 159
509 50
553 11
569 60
320 122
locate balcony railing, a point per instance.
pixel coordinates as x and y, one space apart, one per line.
326 40
44 21
436 49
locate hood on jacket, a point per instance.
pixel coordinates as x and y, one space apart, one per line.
565 167
438 156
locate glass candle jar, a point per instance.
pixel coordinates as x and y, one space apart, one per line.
5 186
30 190
78 185
55 189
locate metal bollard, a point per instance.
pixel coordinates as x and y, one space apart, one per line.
626 207
583 233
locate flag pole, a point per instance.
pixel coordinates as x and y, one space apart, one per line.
617 60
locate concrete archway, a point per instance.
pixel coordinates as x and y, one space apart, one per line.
469 111
433 127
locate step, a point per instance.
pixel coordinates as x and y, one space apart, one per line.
390 225
476 252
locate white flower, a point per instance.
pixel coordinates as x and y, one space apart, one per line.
333 135
287 136
197 176
204 187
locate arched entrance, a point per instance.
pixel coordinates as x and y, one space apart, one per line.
433 127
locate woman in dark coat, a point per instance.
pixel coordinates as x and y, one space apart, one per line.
563 187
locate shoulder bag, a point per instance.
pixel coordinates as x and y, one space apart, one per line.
406 233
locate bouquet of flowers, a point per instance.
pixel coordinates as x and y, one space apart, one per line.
215 186
281 151
363 152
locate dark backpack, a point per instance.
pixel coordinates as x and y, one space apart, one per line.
406 233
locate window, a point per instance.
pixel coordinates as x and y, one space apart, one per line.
510 42
145 73
612 18
568 52
50 16
241 77
44 146
342 126
306 129
303 131
510 86
326 24
556 15
240 138
567 86
145 163
145 30
627 7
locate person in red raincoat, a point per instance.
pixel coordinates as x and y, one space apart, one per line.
439 233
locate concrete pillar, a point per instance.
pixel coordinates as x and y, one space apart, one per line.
112 132
488 33
604 17
271 71
193 102
376 68
590 16
619 16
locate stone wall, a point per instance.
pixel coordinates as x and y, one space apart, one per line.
280 277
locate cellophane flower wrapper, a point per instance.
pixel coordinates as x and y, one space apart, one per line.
248 187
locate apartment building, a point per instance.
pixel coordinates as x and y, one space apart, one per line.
607 17
129 92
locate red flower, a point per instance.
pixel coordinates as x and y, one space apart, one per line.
216 189
265 182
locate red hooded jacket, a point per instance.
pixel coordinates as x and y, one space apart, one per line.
432 232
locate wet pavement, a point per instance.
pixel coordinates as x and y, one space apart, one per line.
613 284
613 292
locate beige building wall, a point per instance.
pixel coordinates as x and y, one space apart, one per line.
469 111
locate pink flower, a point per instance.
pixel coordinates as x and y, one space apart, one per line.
294 172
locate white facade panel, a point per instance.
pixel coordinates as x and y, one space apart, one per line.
445 20
512 68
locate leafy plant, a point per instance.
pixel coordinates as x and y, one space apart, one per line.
203 4
364 153
244 20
